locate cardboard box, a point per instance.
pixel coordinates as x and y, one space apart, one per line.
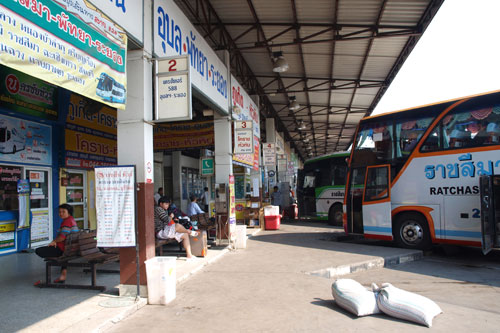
199 244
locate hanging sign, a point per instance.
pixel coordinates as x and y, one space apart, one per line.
207 166
244 108
172 89
115 206
269 154
175 35
243 137
67 43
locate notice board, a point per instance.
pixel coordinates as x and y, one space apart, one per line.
115 206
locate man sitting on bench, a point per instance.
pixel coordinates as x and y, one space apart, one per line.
166 227
56 247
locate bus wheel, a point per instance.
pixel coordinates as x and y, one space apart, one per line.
335 215
412 232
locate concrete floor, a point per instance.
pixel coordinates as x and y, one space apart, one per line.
279 283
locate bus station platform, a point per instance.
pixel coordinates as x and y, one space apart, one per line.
25 308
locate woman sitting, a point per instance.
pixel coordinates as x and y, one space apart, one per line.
56 247
166 227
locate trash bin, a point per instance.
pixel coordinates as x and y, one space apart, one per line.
161 277
241 237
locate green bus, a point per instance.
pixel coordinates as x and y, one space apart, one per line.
321 187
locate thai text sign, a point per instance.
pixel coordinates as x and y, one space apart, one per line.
128 14
90 138
269 154
173 89
23 93
67 43
174 35
244 108
175 136
115 206
243 138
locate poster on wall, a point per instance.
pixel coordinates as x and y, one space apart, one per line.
39 225
115 206
7 234
67 43
24 141
90 138
25 94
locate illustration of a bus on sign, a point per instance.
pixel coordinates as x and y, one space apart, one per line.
110 90
11 140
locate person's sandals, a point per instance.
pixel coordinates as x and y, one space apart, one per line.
59 281
194 233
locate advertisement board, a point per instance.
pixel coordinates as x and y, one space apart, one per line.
68 43
25 94
25 141
90 137
128 14
183 135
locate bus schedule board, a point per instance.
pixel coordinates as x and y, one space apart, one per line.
115 206
172 89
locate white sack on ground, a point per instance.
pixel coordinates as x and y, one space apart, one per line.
406 305
355 298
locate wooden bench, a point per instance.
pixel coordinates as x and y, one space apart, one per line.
159 243
80 251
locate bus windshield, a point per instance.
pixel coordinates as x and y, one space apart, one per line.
388 142
320 187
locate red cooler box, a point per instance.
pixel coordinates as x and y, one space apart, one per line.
272 222
272 217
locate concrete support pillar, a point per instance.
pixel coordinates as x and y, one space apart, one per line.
135 147
270 130
177 177
223 149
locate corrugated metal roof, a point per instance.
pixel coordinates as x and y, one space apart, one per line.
342 55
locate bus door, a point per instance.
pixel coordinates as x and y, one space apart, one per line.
377 201
490 212
354 203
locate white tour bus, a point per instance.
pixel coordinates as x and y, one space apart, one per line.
414 174
11 140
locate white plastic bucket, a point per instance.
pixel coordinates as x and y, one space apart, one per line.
241 237
271 210
161 274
